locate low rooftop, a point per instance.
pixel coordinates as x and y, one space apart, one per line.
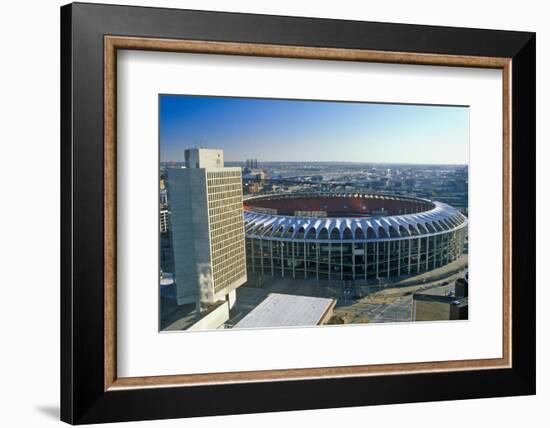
285 310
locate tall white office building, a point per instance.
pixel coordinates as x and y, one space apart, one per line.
206 216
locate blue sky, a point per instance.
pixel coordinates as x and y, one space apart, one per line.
294 130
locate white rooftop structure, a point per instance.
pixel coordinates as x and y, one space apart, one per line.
204 158
285 310
167 279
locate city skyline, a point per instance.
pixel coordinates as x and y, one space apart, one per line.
276 130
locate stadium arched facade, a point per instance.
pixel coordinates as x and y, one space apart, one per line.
350 236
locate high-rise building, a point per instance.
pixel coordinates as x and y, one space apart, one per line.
206 217
251 164
164 221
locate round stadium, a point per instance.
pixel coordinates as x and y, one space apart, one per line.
344 236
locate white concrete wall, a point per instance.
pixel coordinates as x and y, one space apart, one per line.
190 234
232 298
213 320
204 158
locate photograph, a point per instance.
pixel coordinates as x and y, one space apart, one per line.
282 213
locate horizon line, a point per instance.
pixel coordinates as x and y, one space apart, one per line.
323 161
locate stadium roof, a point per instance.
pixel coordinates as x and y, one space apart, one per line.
440 218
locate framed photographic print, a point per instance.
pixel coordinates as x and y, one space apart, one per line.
264 213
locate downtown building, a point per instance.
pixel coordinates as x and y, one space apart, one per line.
206 208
